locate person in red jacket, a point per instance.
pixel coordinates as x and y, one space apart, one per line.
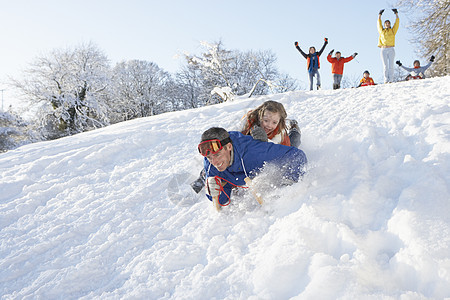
366 80
337 66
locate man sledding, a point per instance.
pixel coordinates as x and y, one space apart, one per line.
231 159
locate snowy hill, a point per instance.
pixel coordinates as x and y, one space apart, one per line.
90 216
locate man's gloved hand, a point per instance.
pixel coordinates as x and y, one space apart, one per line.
432 58
354 54
213 186
381 12
326 40
296 44
331 52
398 63
395 11
258 134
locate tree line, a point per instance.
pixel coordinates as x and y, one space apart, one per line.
76 89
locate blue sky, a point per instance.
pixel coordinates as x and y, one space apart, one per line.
159 30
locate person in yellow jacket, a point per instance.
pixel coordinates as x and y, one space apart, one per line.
386 41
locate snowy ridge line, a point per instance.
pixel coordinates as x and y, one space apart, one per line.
89 216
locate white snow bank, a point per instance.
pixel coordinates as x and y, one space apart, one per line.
89 216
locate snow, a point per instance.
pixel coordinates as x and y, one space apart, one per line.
109 213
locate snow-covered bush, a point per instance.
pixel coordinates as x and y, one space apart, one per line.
14 132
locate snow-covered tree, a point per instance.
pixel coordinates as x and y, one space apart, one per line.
285 83
350 81
69 86
212 67
399 74
238 73
139 89
189 87
14 131
255 70
430 26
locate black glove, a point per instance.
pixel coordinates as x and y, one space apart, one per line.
296 44
259 134
432 58
326 40
331 52
395 11
381 12
354 54
398 63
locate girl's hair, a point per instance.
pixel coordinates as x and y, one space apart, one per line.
254 116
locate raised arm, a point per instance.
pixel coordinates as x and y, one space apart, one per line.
403 67
397 21
323 47
379 24
429 63
300 50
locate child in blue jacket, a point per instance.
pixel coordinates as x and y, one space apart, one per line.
312 62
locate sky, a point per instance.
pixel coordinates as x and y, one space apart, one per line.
158 31
109 213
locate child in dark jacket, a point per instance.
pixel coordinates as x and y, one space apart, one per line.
313 63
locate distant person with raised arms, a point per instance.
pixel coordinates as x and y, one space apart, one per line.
386 41
417 72
337 67
312 62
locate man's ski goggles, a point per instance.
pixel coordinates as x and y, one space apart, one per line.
212 146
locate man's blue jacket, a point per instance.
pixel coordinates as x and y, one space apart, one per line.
250 156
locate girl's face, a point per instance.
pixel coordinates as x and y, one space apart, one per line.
312 50
270 121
